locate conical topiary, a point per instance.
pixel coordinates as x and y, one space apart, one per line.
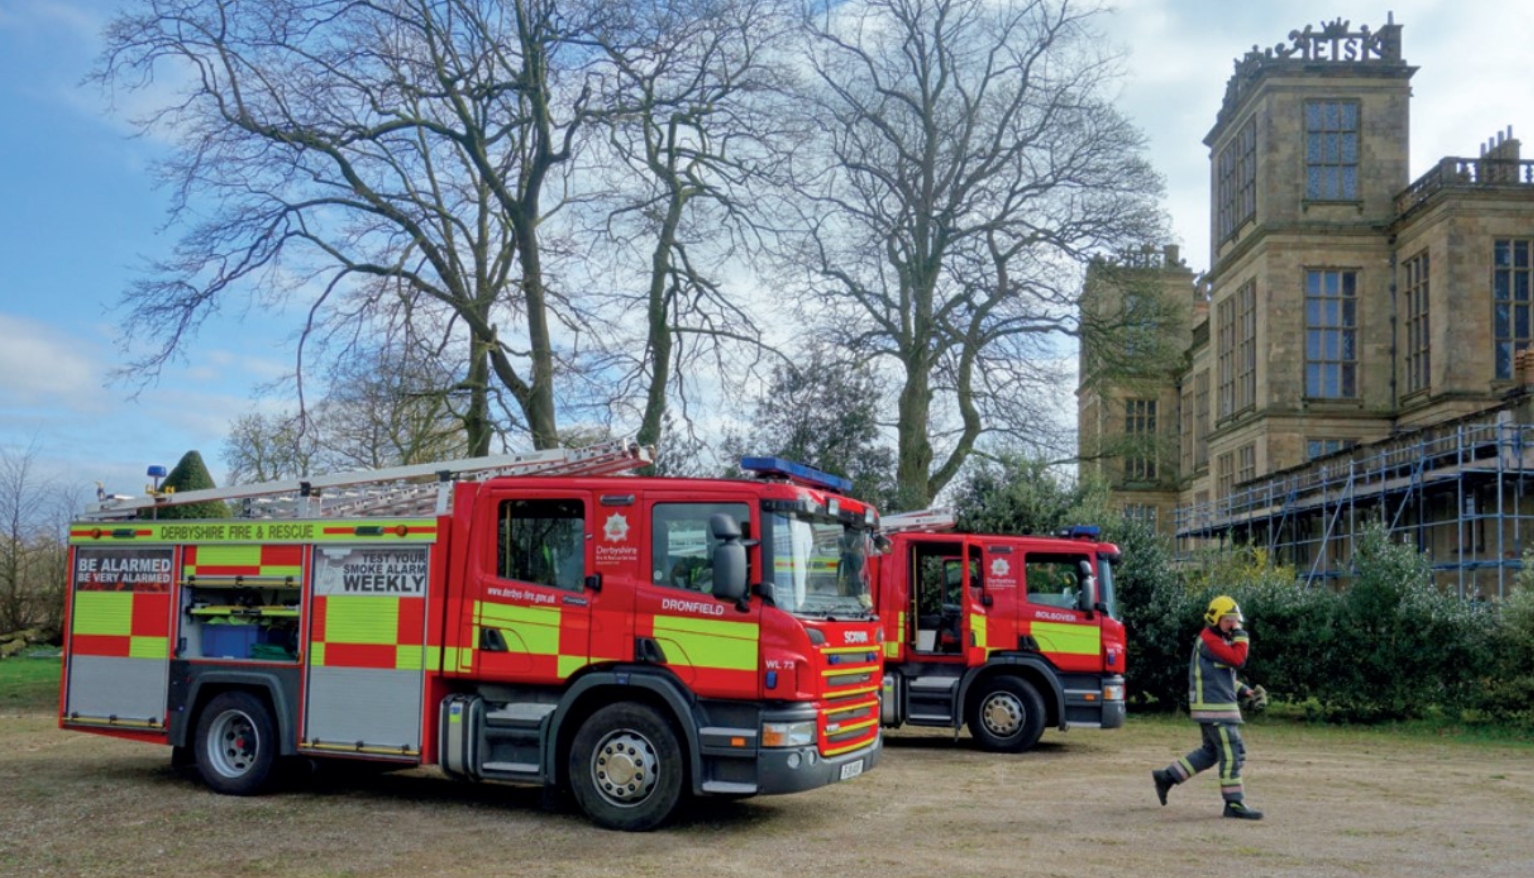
191 474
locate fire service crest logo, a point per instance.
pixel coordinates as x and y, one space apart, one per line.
617 528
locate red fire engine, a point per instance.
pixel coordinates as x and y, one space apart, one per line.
1008 634
550 624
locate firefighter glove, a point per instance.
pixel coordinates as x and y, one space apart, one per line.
1256 699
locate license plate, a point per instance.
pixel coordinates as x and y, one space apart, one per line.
852 769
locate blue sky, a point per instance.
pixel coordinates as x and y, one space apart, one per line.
82 212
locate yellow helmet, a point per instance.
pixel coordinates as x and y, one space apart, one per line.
1220 607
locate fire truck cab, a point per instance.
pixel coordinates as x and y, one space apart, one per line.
1009 635
631 640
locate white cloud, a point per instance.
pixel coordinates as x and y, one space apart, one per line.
40 365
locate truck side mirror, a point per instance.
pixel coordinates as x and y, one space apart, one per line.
1085 595
729 559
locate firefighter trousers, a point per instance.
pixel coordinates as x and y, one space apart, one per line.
1222 746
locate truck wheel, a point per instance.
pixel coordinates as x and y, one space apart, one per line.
236 747
626 768
1007 715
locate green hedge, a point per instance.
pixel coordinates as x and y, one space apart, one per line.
1390 646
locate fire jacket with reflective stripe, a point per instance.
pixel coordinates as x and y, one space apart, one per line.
1212 683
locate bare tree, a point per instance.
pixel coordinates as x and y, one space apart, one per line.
360 152
384 408
969 164
33 522
695 115
269 446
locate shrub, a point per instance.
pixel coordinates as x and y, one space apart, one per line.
1160 615
190 474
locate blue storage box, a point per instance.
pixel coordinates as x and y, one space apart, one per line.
228 641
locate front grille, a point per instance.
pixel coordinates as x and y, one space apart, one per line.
849 719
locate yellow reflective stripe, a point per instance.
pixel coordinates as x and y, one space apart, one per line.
103 612
317 654
431 658
569 664
847 693
450 659
528 630
977 629
358 619
500 615
1067 639
228 556
849 670
293 570
408 658
149 647
835 751
237 534
892 647
841 649
705 643
360 748
844 728
691 625
832 711
75 719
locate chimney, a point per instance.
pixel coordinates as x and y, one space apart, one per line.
1523 367
1499 159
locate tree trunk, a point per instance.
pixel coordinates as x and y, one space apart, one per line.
659 341
539 407
476 420
914 451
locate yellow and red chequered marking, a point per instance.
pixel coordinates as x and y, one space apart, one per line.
224 561
121 624
369 631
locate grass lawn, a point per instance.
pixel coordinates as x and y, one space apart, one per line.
28 683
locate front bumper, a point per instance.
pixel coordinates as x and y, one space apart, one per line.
795 769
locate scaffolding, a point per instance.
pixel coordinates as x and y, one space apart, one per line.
1460 490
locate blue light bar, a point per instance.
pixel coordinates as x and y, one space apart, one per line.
795 472
1082 532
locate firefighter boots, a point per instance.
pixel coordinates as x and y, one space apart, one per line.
1241 811
1164 783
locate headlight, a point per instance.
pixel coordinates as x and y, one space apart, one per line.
1113 693
800 734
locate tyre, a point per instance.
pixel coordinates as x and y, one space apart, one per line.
236 747
626 769
1006 715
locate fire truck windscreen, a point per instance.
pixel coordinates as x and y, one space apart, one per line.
1105 593
819 565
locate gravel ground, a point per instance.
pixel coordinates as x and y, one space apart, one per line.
1338 802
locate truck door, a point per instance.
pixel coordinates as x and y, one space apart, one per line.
366 649
974 635
706 641
938 585
533 607
119 636
1070 637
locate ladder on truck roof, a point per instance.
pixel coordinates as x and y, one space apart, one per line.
935 519
414 490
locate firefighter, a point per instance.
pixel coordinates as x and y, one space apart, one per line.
1214 696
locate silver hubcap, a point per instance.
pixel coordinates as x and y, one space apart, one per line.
1002 714
233 743
624 768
